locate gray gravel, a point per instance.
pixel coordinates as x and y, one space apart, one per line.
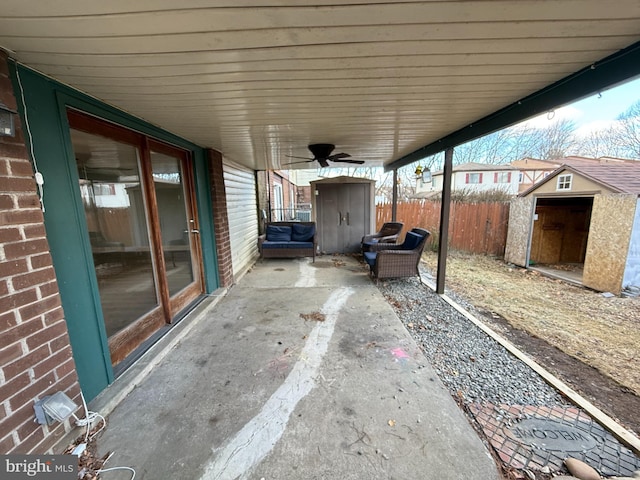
472 365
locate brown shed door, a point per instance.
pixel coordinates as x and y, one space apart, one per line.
139 207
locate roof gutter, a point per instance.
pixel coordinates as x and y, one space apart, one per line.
603 74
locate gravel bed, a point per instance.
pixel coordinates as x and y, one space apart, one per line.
473 366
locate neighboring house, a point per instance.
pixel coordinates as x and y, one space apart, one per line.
474 178
587 213
287 200
532 171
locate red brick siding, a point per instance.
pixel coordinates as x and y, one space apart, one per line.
220 219
35 354
300 195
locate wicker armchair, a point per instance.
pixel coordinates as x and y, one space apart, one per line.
388 234
395 261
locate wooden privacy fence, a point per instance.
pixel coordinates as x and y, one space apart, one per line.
473 227
113 223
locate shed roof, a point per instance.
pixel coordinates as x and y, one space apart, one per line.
619 177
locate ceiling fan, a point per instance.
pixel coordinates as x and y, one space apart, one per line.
322 153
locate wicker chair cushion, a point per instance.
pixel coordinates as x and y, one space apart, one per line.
370 258
278 233
303 233
411 241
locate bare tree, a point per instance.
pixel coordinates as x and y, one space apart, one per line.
554 141
519 141
492 149
627 131
598 143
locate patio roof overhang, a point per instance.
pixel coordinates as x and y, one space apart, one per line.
388 82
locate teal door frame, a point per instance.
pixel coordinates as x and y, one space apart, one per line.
46 102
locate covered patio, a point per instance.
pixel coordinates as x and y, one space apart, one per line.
175 111
302 370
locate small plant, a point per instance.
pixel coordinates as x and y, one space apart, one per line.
433 241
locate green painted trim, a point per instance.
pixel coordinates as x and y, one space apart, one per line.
612 70
205 218
65 223
81 221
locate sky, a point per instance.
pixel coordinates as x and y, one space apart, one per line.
596 111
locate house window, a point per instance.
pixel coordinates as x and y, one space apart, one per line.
520 177
278 203
564 182
473 178
502 177
104 189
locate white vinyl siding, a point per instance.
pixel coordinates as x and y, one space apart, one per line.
240 186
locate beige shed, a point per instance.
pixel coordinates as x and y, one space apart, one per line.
583 218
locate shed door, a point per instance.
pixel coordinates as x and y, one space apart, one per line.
242 207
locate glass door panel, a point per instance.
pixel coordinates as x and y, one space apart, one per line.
138 196
176 226
115 211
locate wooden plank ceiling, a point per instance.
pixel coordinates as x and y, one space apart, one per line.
259 80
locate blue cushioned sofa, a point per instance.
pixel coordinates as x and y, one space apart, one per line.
288 240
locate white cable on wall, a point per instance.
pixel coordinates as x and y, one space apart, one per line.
38 176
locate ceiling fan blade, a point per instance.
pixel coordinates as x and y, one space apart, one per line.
357 162
338 156
302 158
323 162
294 163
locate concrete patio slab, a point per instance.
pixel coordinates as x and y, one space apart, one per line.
301 371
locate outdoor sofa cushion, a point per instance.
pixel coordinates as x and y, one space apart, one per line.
278 233
269 244
288 240
303 233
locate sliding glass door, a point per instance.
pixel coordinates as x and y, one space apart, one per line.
142 225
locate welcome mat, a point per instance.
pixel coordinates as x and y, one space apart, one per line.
540 438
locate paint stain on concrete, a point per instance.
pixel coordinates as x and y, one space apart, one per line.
257 438
400 354
307 277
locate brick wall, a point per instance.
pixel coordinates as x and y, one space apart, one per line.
35 354
220 220
266 181
262 181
